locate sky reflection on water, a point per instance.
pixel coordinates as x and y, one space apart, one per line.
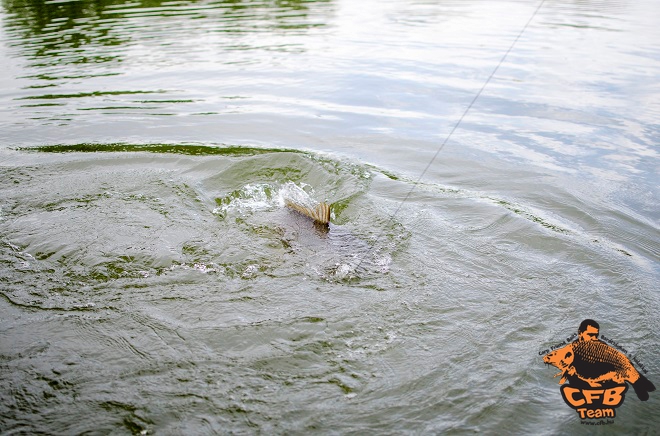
581 83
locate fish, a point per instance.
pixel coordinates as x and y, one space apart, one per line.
320 215
595 363
332 250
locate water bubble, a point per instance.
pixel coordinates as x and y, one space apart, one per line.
250 271
342 271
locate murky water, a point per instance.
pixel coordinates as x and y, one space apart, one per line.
153 281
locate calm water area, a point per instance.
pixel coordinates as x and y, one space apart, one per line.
152 280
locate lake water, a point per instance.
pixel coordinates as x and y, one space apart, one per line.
153 282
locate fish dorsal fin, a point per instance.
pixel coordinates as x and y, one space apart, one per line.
321 214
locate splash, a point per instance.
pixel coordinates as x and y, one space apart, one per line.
248 199
256 197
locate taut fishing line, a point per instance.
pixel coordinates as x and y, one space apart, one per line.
451 132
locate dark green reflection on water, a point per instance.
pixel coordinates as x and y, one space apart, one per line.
90 31
59 30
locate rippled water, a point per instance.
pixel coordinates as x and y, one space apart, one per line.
153 281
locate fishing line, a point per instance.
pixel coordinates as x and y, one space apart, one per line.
451 132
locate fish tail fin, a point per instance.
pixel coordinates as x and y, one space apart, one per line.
320 215
642 388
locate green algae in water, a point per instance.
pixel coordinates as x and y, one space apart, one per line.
186 149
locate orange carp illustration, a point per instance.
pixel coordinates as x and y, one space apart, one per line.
595 363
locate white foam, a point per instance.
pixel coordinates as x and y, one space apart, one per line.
255 197
297 194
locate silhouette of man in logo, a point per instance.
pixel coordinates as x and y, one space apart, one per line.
588 330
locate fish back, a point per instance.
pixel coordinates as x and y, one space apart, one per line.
594 359
594 352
